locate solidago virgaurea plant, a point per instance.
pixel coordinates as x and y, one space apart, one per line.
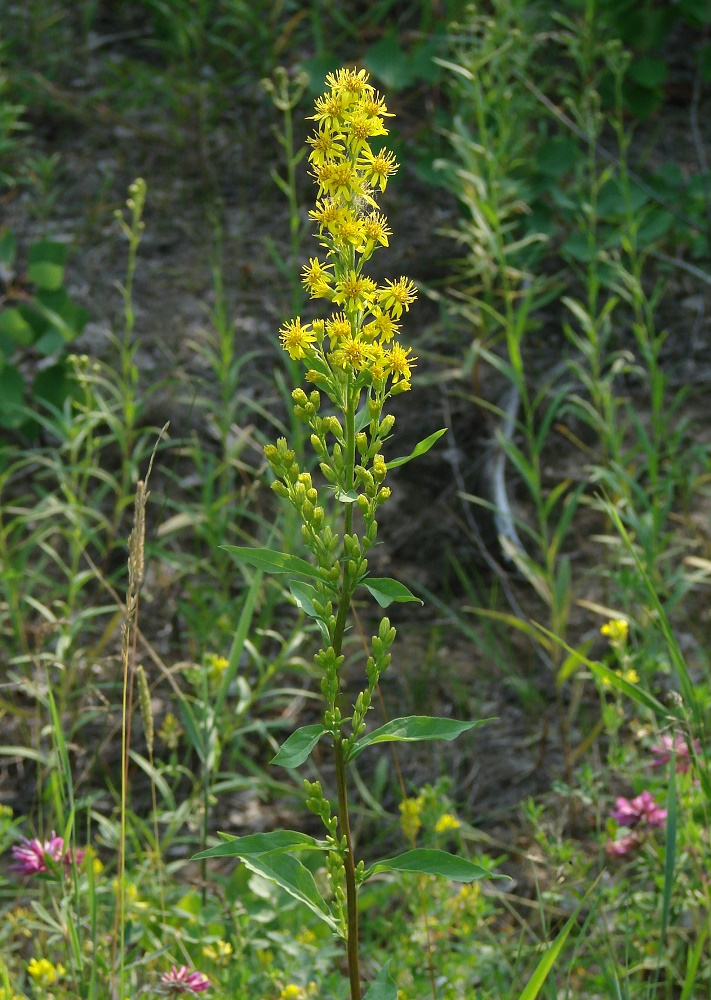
355 359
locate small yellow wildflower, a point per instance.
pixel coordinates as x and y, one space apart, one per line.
291 992
43 972
220 953
325 146
350 353
306 936
315 275
377 167
338 328
329 109
363 127
382 326
295 338
630 675
339 180
170 732
397 295
399 362
616 629
410 821
350 230
376 229
349 84
446 823
355 291
327 213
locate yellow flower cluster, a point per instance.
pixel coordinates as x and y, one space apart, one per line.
359 336
616 630
43 973
446 823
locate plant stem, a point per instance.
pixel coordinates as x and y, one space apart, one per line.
344 822
349 865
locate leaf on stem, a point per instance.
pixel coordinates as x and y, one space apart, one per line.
419 449
297 747
414 729
272 561
386 590
288 873
430 862
383 986
257 844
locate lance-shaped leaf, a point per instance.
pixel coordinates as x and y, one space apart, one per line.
288 872
431 862
297 747
418 450
273 561
414 729
257 844
383 986
305 595
385 590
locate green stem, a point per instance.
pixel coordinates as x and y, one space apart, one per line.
344 604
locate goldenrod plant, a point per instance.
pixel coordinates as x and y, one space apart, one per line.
355 359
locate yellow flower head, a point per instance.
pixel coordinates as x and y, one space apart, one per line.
376 229
317 277
43 972
349 84
397 295
326 146
410 821
377 167
616 629
354 291
296 338
292 992
399 362
328 213
381 326
446 823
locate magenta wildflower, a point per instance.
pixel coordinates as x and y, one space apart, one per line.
642 810
32 857
182 980
662 753
616 848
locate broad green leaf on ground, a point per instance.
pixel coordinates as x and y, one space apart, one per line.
419 449
385 591
288 872
46 264
414 729
257 844
383 986
431 862
272 561
297 747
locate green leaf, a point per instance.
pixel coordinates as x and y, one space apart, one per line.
419 449
257 844
430 862
295 878
12 388
414 729
350 497
13 324
546 963
304 595
272 561
46 264
648 72
383 986
8 247
385 590
296 749
389 62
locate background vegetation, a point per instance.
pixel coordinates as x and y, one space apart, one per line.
553 207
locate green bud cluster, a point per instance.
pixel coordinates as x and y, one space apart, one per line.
377 664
